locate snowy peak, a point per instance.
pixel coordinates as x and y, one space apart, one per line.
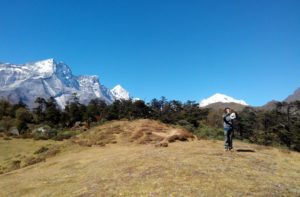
47 68
44 68
49 78
222 98
120 93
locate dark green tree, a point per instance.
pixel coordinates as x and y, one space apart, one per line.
52 112
23 116
75 110
5 108
39 110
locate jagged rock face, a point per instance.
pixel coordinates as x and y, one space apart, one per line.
46 79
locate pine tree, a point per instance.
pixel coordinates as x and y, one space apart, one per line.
39 111
5 108
23 116
52 112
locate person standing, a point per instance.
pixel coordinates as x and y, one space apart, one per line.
228 128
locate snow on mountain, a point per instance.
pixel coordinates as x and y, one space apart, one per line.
136 99
49 78
220 98
120 93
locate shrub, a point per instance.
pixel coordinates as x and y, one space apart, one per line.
15 165
67 134
41 150
33 160
187 125
6 123
44 132
47 152
204 131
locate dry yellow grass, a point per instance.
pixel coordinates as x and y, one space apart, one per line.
15 153
141 131
194 168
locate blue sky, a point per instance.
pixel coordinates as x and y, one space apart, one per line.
184 50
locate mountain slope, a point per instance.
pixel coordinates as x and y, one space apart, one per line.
293 97
220 98
193 168
271 105
49 78
221 106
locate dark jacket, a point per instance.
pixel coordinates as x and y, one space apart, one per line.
227 121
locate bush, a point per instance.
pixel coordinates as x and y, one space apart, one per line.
41 150
21 126
44 132
6 123
15 165
204 131
187 125
67 134
47 152
33 160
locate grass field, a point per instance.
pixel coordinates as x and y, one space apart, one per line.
193 168
16 153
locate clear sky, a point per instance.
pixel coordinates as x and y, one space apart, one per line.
181 49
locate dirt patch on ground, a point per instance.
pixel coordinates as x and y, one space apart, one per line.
141 131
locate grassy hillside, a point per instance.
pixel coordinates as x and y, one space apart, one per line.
18 153
142 131
191 168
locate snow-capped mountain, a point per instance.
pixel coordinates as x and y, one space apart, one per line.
220 98
120 93
49 78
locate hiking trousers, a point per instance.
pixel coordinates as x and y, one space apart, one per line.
228 134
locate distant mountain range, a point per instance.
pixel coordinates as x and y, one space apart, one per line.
220 101
272 104
49 78
293 97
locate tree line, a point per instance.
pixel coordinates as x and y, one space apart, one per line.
280 126
48 112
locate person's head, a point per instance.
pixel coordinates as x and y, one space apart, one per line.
227 110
